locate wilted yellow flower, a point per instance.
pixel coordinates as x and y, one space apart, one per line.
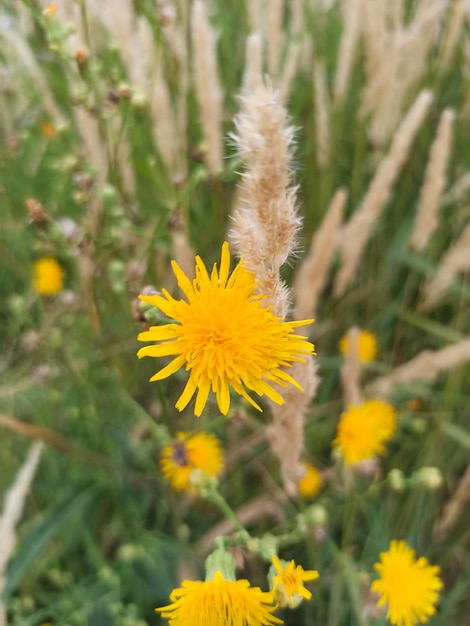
48 276
367 343
364 430
219 602
223 335
408 586
311 482
187 453
288 584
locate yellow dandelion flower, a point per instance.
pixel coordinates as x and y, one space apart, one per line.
219 602
47 276
364 430
288 583
367 343
408 586
48 130
187 453
223 335
311 482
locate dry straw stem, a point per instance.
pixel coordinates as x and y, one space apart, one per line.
12 510
165 129
322 115
286 433
427 218
312 273
273 34
455 261
347 49
288 72
427 365
357 231
452 34
253 10
351 370
265 223
208 89
253 63
453 508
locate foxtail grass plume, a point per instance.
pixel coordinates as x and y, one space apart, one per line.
224 336
188 452
408 586
288 583
219 602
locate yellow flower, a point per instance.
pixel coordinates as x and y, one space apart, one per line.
367 342
223 335
187 453
288 584
48 130
311 482
409 587
48 276
364 430
219 602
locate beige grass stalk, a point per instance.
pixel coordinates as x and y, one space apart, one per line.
357 231
455 261
253 63
253 9
12 510
427 365
454 508
312 273
453 31
273 34
427 217
164 123
288 73
208 89
351 370
286 433
322 115
347 49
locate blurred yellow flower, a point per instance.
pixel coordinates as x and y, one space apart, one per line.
408 586
219 602
48 130
364 430
311 482
47 276
223 335
187 453
288 584
368 346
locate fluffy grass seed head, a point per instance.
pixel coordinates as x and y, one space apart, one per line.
187 453
368 346
47 276
288 583
311 482
363 430
219 602
223 336
408 586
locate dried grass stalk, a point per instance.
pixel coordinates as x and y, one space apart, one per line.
453 508
427 365
164 123
274 35
286 433
322 116
357 231
453 31
253 63
455 260
253 9
265 224
347 48
12 510
351 370
208 89
427 220
288 72
312 273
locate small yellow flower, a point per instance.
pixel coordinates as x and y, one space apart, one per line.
288 584
408 586
48 130
223 336
219 602
187 453
364 430
311 482
367 343
48 276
